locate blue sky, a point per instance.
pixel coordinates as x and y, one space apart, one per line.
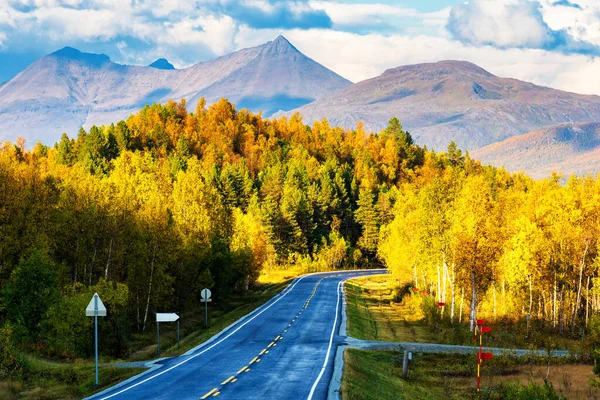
550 42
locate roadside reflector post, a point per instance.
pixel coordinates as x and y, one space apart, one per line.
405 365
481 329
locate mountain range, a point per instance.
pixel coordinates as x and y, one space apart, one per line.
503 121
566 148
452 101
67 89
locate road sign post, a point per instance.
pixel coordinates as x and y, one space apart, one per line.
96 309
205 298
165 317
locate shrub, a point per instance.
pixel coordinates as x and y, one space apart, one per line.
12 364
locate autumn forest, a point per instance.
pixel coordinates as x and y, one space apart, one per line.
150 210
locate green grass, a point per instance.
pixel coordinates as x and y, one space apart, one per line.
376 375
50 380
373 315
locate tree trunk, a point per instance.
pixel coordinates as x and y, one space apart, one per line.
462 300
561 312
554 304
452 288
473 313
149 288
530 304
93 262
416 276
439 289
108 260
587 301
581 264
494 292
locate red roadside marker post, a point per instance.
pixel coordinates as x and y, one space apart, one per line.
481 329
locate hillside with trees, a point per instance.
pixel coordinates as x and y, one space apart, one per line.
150 210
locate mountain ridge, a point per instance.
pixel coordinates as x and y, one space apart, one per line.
65 89
451 101
565 148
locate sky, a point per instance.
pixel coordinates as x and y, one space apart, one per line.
554 43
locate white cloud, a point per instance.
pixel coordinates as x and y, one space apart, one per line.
502 23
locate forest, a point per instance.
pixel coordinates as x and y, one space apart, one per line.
150 210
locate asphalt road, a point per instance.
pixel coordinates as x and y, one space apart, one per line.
283 350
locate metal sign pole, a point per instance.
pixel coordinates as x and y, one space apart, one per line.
95 308
96 333
158 336
206 312
177 333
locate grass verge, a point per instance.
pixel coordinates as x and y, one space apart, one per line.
374 374
373 314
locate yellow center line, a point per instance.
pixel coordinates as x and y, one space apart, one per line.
262 352
234 380
208 394
242 370
253 360
271 344
227 380
216 394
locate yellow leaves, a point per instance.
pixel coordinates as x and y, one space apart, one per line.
197 210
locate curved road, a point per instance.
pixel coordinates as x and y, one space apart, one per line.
283 350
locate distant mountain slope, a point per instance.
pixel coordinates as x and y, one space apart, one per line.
452 101
567 148
66 89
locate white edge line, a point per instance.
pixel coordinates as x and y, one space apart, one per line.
337 305
282 295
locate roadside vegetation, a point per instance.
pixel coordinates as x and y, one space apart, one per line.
376 375
381 309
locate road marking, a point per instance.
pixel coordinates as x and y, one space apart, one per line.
337 306
253 360
262 352
234 380
227 380
208 394
210 347
216 394
271 344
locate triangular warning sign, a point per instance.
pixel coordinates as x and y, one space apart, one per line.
90 310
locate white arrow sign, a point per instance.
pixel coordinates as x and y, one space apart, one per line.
205 293
90 310
166 317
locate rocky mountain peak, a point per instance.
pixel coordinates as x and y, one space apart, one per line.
72 54
162 63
